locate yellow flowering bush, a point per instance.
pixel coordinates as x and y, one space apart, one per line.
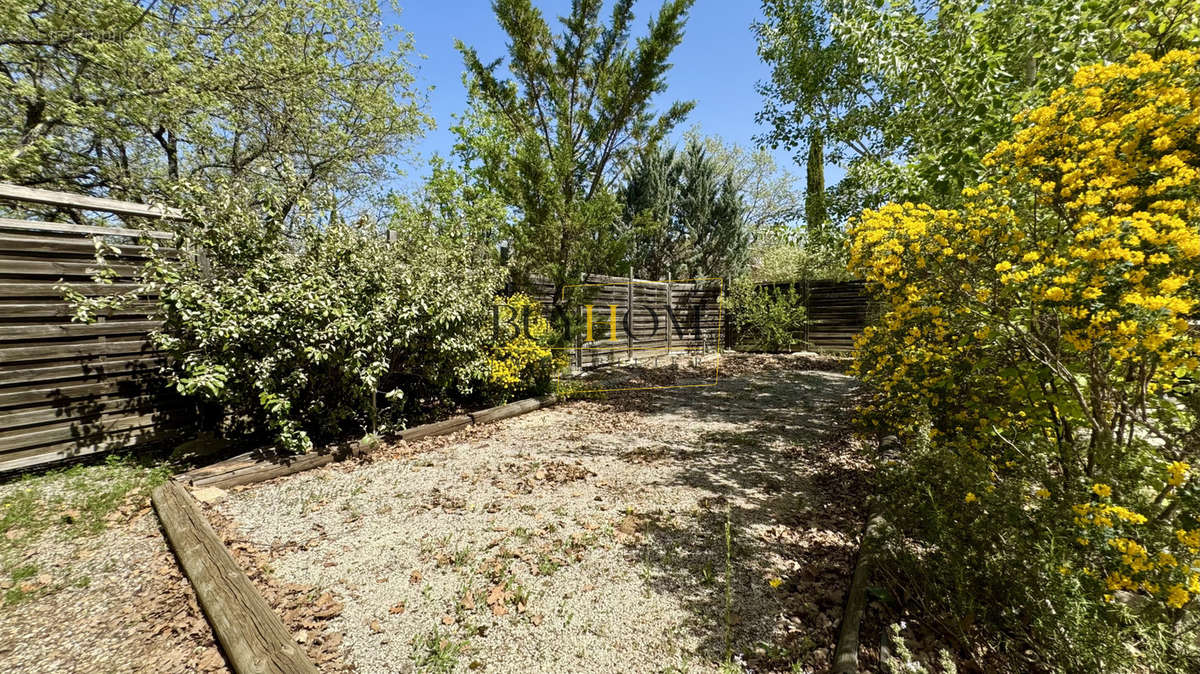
1037 353
522 362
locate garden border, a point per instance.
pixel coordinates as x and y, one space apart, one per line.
252 636
845 653
259 465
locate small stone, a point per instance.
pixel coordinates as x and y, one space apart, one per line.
301 636
210 495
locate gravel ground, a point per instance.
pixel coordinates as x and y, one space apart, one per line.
671 530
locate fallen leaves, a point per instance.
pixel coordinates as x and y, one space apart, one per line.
326 607
497 597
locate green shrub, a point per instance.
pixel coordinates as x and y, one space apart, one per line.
347 334
768 317
1038 354
303 334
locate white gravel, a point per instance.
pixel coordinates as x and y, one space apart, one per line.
597 526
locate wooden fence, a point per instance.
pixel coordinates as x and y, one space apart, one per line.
667 317
69 388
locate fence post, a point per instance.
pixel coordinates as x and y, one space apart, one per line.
579 343
629 314
668 319
805 299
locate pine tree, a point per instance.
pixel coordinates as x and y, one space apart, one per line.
686 218
551 141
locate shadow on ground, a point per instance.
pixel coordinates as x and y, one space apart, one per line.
788 485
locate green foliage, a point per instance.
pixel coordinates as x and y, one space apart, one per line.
686 218
549 141
797 257
772 201
347 333
1035 349
766 317
119 98
452 206
909 97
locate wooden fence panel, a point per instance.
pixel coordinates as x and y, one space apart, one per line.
697 326
68 388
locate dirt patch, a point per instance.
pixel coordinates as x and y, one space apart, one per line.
113 602
686 529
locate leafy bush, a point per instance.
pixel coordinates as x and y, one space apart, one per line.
349 333
522 363
310 335
1037 354
768 317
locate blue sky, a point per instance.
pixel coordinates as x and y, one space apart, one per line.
716 65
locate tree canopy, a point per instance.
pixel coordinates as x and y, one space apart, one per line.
551 140
685 215
909 95
119 98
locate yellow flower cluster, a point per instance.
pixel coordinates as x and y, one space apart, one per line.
514 365
1177 473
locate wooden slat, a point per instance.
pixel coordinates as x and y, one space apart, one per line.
251 634
71 449
11 332
70 350
79 370
90 410
10 243
11 224
105 426
59 394
10 267
47 289
66 310
53 198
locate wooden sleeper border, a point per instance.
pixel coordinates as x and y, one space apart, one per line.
845 654
257 466
252 635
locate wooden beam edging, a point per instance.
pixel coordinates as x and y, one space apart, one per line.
845 654
252 635
257 466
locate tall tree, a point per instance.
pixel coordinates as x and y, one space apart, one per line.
710 211
124 97
814 186
910 95
552 139
648 200
771 197
685 214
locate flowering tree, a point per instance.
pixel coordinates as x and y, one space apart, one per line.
1040 335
